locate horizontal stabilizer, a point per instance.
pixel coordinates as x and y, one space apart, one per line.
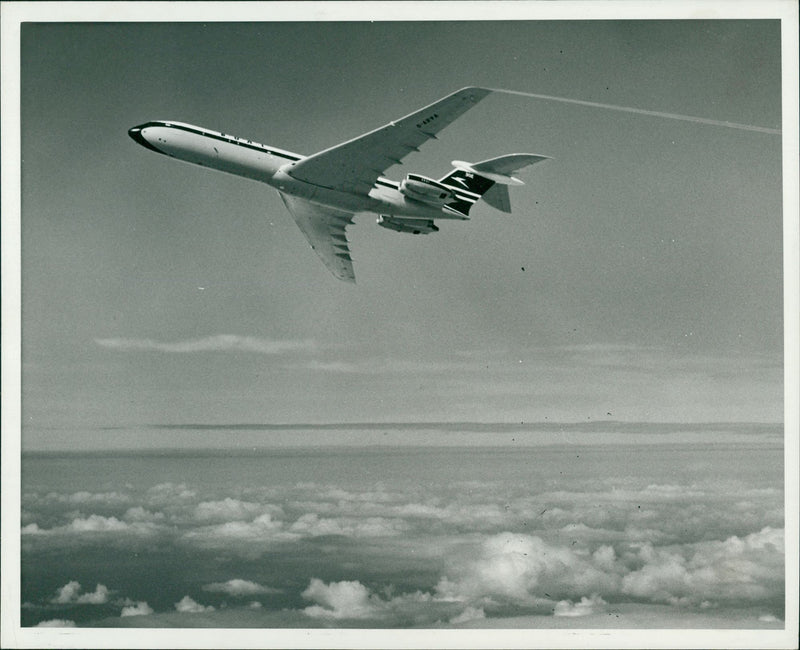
499 169
488 179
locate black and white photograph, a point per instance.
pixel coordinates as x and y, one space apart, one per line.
414 324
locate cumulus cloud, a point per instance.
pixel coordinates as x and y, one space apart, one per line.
239 588
70 593
349 599
140 608
56 622
521 570
469 614
140 514
263 529
312 524
98 523
229 509
216 343
510 572
345 599
737 569
91 524
187 605
585 607
489 549
169 493
659 513
83 497
98 597
524 570
768 618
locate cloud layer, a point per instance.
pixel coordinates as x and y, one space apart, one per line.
404 550
216 343
239 588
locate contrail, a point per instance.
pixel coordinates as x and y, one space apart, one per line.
641 111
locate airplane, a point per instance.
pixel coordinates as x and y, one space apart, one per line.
324 191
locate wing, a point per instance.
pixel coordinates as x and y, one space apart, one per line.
355 165
324 229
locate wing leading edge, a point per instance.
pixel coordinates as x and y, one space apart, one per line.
355 165
324 228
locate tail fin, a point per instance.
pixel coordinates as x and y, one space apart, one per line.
487 179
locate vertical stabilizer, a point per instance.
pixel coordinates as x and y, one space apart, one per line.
488 179
498 197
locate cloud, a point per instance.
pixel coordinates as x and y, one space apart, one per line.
661 513
238 587
555 548
92 524
469 614
70 593
521 570
98 597
508 572
333 366
585 607
261 530
141 515
216 343
738 570
139 609
56 622
313 525
97 523
84 497
349 599
345 599
229 509
168 493
188 606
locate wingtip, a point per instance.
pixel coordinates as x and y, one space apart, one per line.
478 92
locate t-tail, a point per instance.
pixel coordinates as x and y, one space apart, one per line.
487 180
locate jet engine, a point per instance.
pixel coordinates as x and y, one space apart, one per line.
413 226
426 190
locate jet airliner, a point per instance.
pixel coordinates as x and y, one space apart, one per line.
325 190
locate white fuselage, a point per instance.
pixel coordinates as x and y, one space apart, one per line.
269 165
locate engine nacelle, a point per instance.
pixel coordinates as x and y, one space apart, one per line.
413 226
426 190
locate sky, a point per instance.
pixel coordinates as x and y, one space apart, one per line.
635 293
639 277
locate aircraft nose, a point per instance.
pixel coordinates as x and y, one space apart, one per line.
138 136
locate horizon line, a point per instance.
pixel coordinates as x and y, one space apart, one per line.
445 424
